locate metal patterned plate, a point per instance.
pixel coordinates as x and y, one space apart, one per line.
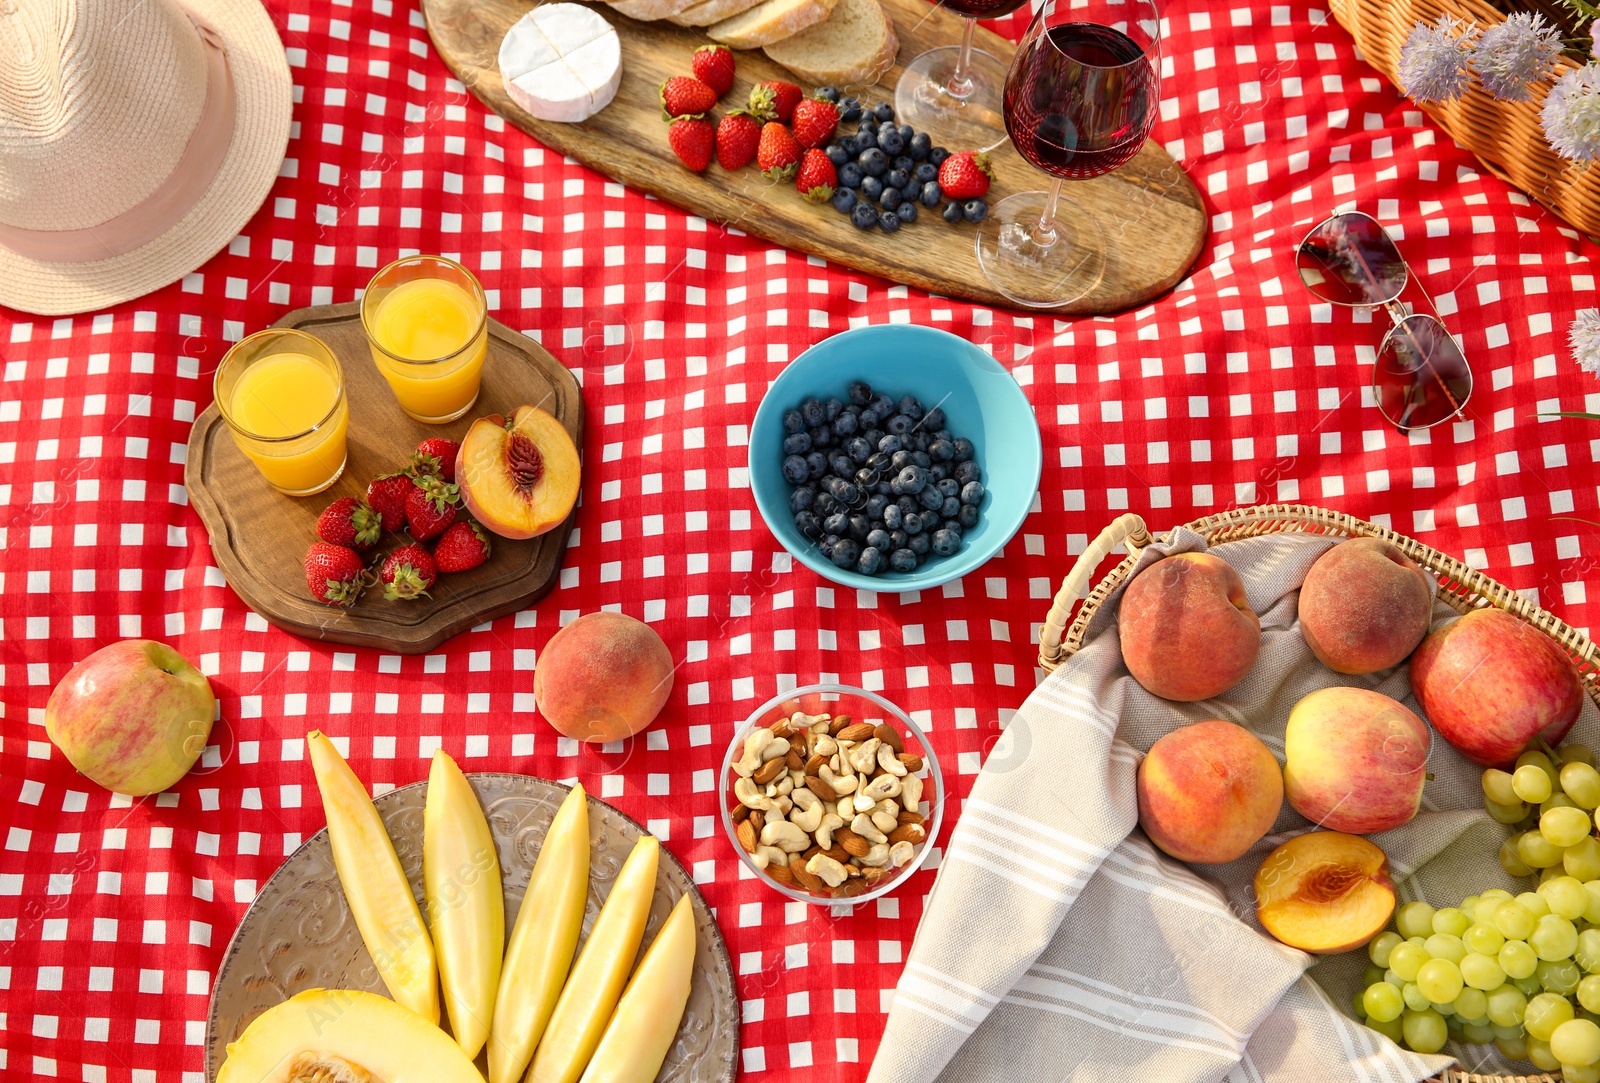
299 933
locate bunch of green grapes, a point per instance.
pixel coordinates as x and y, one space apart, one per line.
1520 971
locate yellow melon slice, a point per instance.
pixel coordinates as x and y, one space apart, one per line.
641 1030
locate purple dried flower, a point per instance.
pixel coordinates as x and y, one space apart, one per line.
1571 115
1436 61
1584 338
1516 53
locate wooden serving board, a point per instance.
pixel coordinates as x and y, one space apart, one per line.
1152 214
260 536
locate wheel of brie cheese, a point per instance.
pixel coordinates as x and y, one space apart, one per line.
561 62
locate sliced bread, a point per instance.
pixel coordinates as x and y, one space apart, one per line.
853 46
770 22
649 10
707 12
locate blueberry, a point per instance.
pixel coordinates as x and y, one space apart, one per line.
972 493
871 561
844 200
954 527
897 178
937 155
860 527
849 110
903 161
933 420
925 173
866 477
802 498
888 221
893 517
908 505
806 522
911 406
858 449
903 560
825 546
890 199
796 443
876 505
952 212
827 93
825 505
873 162
940 471
911 523
836 154
845 424
943 434
946 543
865 141
891 142
950 508
795 471
814 412
840 463
884 112
932 499
900 424
816 465
964 449
890 444
919 145
920 544
846 551
837 523
899 539
880 460
930 194
967 471
871 188
849 175
847 492
793 421
860 393
907 212
913 479
882 405
942 451
822 436
969 515
874 436
900 461
949 487
878 538
912 189
974 210
919 456
864 216
869 123
834 407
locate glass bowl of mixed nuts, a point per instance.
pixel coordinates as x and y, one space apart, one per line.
831 794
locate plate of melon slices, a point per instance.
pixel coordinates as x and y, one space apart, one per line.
486 926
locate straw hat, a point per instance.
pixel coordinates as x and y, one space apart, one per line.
137 137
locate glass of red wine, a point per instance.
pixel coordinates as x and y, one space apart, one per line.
954 92
1080 99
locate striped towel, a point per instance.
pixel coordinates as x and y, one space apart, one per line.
1058 944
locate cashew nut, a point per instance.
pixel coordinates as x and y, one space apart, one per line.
783 804
778 746
887 761
825 746
877 856
911 792
900 853
754 744
864 756
831 821
785 836
861 825
828 870
885 821
807 814
769 855
750 795
841 784
863 803
846 808
881 787
780 787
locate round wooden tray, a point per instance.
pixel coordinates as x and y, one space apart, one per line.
299 934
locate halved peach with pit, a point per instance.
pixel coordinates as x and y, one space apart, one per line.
518 478
1324 892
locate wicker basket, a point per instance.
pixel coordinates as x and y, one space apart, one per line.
1460 587
1506 136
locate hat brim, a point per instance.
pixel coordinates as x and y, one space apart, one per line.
264 100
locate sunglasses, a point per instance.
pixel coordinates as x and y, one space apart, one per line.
1421 377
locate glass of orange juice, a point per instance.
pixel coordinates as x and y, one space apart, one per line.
281 391
428 325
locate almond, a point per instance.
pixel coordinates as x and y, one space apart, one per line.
814 765
853 886
780 729
838 724
810 881
838 853
890 736
912 833
747 836
780 873
858 732
853 843
913 763
741 812
757 821
811 852
793 760
870 875
769 771
823 791
909 817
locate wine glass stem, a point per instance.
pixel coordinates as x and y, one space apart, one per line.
1044 231
959 85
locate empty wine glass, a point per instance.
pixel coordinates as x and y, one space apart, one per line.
1080 99
954 92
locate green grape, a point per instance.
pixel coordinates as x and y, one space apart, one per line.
1513 920
1536 851
1440 979
1581 782
1530 985
1582 862
1565 827
1559 976
1450 921
1554 938
1406 959
1414 919
1379 947
1576 753
1580 1073
1477 1034
1499 894
1511 859
1505 1005
1589 992
1512 1048
1471 1004
1484 939
1424 1030
1531 784
1445 946
1358 1001
1394 979
1412 994
1482 972
1483 913
1557 800
1553 873
1469 907
1383 1002
1591 912
1447 1010
1390 1029
1505 1032
1587 954
1539 1054
1576 1041
1506 814
1538 759
1565 896
1372 976
1534 903
1545 1013
1517 959
1497 788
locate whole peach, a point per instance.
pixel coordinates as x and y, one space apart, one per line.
1354 760
1187 631
1490 683
603 677
1364 606
1208 792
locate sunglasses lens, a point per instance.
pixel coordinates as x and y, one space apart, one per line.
1421 377
1350 260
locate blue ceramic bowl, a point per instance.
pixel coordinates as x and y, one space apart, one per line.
981 401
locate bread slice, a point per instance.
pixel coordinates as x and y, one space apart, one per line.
649 10
707 12
770 22
853 46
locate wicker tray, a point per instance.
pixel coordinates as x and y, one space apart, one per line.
1460 587
1506 136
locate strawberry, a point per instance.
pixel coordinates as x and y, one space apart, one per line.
778 152
351 523
774 100
692 139
713 66
685 96
431 507
335 574
817 177
738 135
463 546
437 456
965 175
814 122
387 494
407 573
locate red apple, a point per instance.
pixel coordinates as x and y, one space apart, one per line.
133 716
1490 683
